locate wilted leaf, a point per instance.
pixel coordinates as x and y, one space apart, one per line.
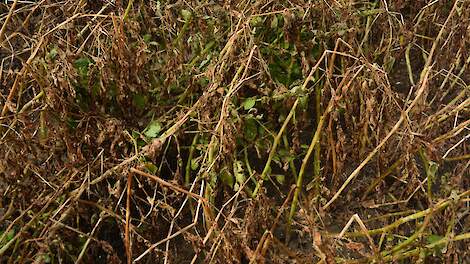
355 246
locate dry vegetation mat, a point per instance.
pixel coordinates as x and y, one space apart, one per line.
234 131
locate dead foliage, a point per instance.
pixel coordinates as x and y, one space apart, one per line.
234 131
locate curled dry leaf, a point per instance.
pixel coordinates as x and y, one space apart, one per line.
151 150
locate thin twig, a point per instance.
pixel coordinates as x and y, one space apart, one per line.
169 185
127 238
7 19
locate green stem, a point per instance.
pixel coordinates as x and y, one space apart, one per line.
267 166
411 239
381 177
128 8
284 125
187 175
298 187
439 206
317 154
430 172
248 166
291 162
463 157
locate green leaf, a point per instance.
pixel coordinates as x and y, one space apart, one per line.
280 178
10 235
147 38
135 134
239 172
256 21
72 123
277 159
226 177
249 103
52 54
278 73
274 22
194 164
153 129
203 81
139 101
152 168
251 130
186 14
432 169
303 102
434 238
82 65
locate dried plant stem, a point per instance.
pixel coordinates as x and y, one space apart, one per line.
408 64
463 157
412 238
127 238
382 143
7 19
26 65
87 242
30 223
398 254
168 185
452 133
430 172
381 177
437 207
423 85
317 154
143 122
268 234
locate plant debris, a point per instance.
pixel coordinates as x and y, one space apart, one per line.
234 131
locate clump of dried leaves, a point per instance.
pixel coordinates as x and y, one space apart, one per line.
141 130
